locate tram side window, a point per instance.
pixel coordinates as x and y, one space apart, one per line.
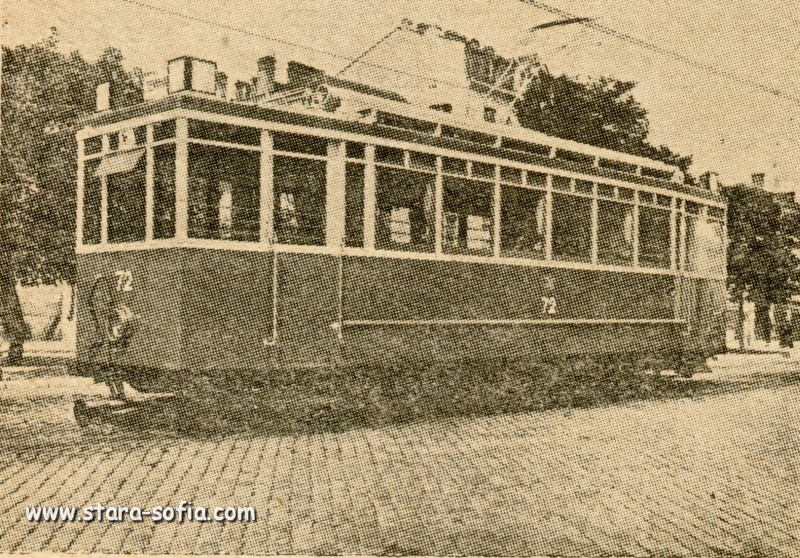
405 210
572 228
354 205
654 237
467 219
694 251
224 187
164 191
126 195
522 223
299 198
614 233
91 203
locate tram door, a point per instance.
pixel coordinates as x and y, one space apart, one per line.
700 303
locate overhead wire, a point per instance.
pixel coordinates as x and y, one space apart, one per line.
607 30
358 58
316 50
563 14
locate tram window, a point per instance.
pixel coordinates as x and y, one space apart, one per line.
163 130
614 233
228 133
354 205
91 203
693 250
93 145
561 183
297 143
113 141
405 210
483 170
425 161
126 198
164 191
716 213
224 186
704 246
468 214
299 190
572 228
538 180
605 191
389 155
625 194
584 187
511 175
664 201
355 150
140 135
454 166
654 237
692 208
522 223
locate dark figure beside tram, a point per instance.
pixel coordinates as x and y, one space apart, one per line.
320 223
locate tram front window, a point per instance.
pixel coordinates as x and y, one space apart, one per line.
91 203
164 191
405 210
224 187
704 245
125 174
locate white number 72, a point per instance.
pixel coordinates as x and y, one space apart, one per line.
124 281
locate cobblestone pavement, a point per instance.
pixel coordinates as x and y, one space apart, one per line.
715 475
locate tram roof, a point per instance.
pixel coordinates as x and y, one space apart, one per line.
373 127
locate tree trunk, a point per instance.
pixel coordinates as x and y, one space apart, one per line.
763 323
14 326
738 324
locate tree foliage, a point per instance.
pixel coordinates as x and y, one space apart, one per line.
45 93
763 233
600 112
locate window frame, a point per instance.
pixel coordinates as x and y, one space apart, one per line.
520 177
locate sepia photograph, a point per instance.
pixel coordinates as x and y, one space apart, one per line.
407 278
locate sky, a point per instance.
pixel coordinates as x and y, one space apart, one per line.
728 126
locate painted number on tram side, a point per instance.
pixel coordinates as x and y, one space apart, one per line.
124 281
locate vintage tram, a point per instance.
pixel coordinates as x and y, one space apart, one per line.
328 224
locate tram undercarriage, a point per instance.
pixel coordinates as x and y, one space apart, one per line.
310 399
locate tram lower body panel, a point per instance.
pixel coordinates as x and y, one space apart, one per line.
202 310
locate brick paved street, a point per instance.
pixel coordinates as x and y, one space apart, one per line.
713 475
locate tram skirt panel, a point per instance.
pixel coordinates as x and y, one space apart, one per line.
398 309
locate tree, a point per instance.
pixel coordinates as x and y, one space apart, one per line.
45 93
763 233
600 112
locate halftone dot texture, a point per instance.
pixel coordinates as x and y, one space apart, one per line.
414 440
689 476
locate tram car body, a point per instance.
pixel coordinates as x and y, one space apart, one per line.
259 236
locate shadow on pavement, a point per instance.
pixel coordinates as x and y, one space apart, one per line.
333 404
332 401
